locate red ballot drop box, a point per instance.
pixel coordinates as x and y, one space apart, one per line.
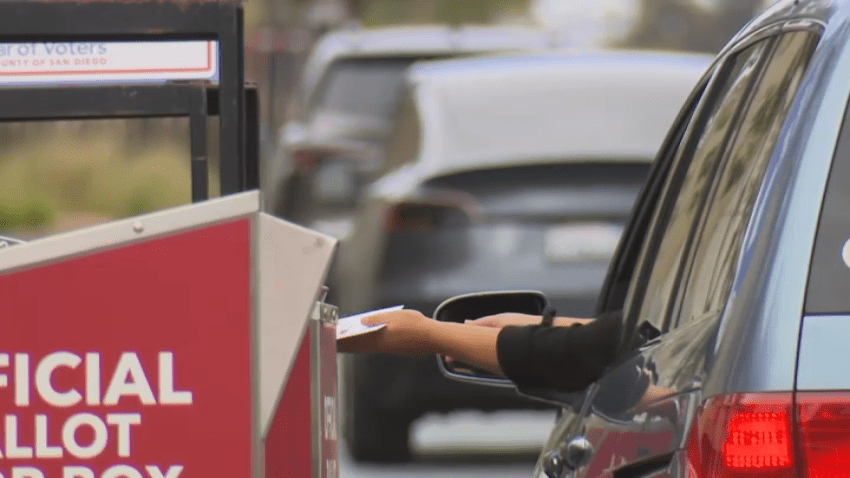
192 342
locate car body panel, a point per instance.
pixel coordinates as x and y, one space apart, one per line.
752 347
771 283
824 353
783 11
580 105
625 429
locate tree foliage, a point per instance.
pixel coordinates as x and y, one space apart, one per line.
682 25
387 12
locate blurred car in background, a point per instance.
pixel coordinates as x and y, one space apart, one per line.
348 94
511 172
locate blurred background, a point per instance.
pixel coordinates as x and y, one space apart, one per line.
338 118
55 177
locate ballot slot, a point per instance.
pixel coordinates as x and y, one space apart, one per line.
324 390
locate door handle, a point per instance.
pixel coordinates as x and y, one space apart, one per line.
568 457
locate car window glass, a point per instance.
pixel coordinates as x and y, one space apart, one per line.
363 87
403 144
704 146
623 265
719 243
829 273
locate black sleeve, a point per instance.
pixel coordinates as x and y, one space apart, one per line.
560 358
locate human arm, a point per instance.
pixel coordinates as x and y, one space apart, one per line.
534 354
513 318
409 331
559 358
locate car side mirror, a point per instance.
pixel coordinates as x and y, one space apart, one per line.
474 306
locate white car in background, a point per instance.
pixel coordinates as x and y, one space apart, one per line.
509 172
348 93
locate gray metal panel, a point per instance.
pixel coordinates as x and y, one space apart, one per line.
315 327
824 353
292 263
757 338
323 316
126 231
258 457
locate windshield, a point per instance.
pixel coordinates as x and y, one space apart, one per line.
363 87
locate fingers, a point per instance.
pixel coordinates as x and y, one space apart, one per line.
401 316
378 319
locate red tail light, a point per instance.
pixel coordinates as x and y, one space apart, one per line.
306 159
421 217
760 435
742 435
441 210
825 434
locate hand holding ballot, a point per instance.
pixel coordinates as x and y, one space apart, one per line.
393 330
404 331
353 325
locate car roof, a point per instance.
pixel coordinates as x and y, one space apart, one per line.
785 11
762 317
601 62
418 41
554 80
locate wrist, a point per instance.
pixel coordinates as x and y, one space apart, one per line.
568 321
431 335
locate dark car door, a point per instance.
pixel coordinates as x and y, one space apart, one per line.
570 429
619 276
638 415
610 429
718 245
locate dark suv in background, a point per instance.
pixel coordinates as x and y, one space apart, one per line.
734 276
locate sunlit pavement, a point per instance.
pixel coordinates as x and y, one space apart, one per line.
465 445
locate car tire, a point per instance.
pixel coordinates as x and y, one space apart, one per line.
372 434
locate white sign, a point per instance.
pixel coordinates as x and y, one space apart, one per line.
90 62
31 437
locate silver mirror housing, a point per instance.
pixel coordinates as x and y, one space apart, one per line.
474 306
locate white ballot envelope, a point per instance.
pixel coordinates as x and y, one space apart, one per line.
351 325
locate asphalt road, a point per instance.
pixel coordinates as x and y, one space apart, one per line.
466 445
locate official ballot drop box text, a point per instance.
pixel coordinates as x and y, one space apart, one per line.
192 342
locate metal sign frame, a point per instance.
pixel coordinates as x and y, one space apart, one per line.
99 20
